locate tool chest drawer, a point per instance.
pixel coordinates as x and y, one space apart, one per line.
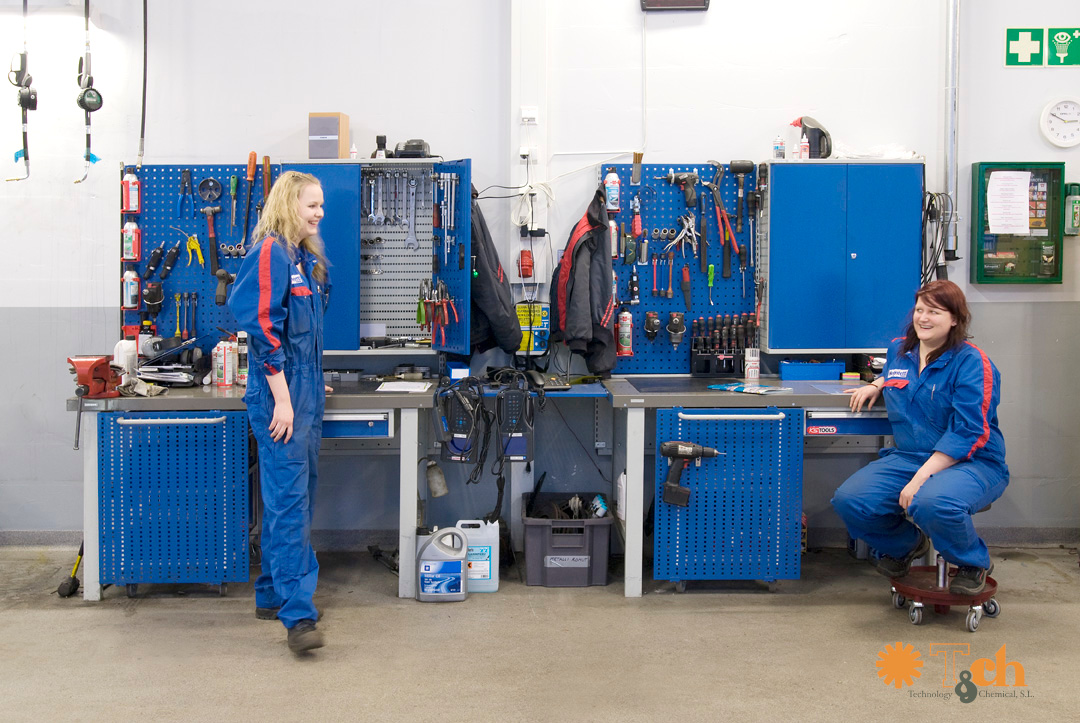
173 501
827 422
358 425
743 520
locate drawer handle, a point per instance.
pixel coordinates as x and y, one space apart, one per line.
848 415
733 417
147 422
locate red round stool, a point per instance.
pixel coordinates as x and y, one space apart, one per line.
929 585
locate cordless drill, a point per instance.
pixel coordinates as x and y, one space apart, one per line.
681 453
686 182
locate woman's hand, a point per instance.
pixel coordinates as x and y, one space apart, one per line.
281 426
865 395
908 493
329 389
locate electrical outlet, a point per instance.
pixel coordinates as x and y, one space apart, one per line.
527 154
529 113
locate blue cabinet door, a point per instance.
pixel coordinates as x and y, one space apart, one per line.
884 250
340 231
807 230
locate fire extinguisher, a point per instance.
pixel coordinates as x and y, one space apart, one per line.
624 339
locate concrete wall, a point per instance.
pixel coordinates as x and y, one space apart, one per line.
606 80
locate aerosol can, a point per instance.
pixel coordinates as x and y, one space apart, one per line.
130 193
131 238
624 340
611 191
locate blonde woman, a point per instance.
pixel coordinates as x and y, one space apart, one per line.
279 298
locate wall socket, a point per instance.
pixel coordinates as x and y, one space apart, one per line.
529 113
527 154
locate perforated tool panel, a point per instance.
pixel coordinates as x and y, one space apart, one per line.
173 497
159 222
661 205
457 274
744 518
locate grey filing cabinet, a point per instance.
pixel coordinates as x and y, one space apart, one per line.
840 253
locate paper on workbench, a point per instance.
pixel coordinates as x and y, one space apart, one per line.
404 387
749 388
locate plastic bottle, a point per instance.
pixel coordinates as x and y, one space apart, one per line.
131 246
126 356
241 358
130 288
778 147
483 555
130 193
352 151
1072 210
611 191
441 567
804 147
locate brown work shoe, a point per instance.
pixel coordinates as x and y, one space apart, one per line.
892 567
970 580
305 637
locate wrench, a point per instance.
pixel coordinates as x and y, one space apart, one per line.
395 217
410 240
407 183
371 206
379 215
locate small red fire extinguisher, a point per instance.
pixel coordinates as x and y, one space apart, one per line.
624 339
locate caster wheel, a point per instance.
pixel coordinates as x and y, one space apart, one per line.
223 589
132 589
972 621
915 615
898 601
991 608
680 586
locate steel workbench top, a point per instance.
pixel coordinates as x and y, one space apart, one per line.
657 392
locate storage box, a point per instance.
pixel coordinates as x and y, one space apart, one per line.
328 135
794 370
565 553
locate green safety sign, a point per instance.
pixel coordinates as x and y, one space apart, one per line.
1063 46
1024 46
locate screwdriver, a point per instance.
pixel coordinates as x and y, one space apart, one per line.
250 182
671 265
711 272
686 285
266 188
232 192
703 242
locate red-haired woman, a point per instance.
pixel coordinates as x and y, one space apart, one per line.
942 394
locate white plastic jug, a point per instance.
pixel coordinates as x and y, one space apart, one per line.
483 555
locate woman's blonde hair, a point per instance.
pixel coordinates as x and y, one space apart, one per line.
281 216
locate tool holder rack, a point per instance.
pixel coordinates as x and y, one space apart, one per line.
661 204
156 219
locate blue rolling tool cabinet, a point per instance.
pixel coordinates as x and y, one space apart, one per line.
744 518
173 498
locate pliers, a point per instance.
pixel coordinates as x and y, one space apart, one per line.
185 193
444 297
425 306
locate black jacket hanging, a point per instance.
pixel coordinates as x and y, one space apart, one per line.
494 318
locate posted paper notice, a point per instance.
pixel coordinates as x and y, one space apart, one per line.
1007 202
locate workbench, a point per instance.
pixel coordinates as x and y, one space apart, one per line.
638 397
347 399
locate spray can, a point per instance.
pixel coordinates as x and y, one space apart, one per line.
224 357
611 191
131 242
441 573
130 193
1072 210
130 290
241 358
624 340
778 147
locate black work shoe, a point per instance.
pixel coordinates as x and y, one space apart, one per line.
891 567
271 614
304 636
969 580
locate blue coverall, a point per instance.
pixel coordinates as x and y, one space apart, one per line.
278 302
951 408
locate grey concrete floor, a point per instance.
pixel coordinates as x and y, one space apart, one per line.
805 651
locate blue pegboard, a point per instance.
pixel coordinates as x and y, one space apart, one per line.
173 497
158 222
458 273
744 520
661 204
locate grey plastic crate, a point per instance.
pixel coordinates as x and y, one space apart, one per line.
565 553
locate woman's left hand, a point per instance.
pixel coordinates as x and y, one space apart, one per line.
328 388
908 493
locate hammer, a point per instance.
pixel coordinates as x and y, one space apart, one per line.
740 169
209 212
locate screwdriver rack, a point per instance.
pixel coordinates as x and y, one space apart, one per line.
158 223
662 203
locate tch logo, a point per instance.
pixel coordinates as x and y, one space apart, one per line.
901 665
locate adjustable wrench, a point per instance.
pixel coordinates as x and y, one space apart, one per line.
410 240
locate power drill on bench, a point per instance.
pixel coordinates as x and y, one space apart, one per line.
681 453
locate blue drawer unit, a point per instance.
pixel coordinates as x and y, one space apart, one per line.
744 518
832 422
173 497
358 425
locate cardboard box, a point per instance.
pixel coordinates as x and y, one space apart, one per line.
328 135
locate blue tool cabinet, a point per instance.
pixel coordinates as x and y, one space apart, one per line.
173 497
744 519
840 254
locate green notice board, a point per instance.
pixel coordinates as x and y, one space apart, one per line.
1017 213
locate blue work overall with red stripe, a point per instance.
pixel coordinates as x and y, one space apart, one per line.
951 407
278 302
